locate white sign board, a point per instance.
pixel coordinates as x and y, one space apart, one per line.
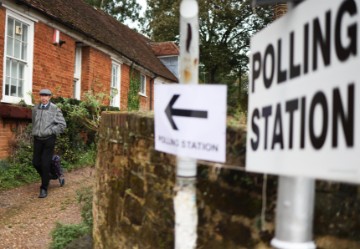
190 120
304 92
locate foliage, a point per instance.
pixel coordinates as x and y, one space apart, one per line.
85 197
133 95
120 9
225 28
14 175
18 169
21 146
86 113
62 235
237 96
161 21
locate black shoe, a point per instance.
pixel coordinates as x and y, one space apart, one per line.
61 181
43 193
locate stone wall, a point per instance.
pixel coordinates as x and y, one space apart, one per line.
133 196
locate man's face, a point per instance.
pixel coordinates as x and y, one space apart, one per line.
45 99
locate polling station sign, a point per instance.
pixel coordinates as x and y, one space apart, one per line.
190 120
304 93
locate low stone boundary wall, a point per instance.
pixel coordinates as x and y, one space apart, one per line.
133 196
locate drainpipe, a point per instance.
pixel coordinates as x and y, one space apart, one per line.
186 218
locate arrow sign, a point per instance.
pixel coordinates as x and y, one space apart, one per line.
190 120
170 112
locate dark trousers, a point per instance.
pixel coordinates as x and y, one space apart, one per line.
43 152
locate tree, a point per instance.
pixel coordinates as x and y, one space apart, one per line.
122 10
161 21
225 28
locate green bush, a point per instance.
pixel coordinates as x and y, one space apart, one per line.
85 197
133 95
62 235
14 175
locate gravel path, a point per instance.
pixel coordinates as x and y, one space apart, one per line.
26 220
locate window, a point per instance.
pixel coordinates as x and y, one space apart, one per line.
115 85
143 84
19 33
77 72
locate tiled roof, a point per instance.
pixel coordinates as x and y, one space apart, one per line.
95 24
164 48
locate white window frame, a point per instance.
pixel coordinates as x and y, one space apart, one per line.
115 84
28 69
142 90
77 72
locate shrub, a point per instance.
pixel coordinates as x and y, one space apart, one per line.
85 197
62 235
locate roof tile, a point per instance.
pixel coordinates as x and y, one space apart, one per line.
93 23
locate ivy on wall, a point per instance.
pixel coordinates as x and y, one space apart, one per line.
133 96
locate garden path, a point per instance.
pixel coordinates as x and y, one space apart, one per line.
27 221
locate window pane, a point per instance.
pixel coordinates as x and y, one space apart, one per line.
20 89
8 62
10 27
18 29
7 86
10 45
24 33
142 84
21 71
13 87
14 71
17 49
24 51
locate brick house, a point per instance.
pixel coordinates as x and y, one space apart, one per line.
71 48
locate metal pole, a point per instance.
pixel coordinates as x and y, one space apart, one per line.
294 210
294 213
186 218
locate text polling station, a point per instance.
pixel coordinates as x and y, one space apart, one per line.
303 114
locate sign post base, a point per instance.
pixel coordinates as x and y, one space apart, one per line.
278 244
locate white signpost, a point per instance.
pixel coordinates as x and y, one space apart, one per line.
303 114
190 121
304 91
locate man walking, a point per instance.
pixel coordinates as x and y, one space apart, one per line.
47 122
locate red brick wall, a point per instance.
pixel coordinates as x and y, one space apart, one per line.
96 71
53 65
8 129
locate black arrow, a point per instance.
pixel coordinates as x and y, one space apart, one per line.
170 112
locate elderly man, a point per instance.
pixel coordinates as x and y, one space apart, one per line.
47 122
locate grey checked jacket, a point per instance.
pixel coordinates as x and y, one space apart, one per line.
48 121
